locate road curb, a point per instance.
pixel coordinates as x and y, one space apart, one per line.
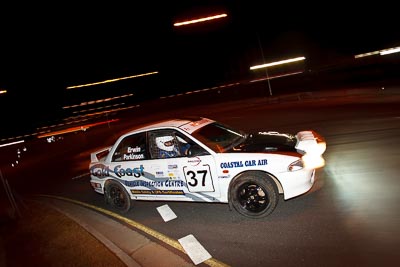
124 257
126 243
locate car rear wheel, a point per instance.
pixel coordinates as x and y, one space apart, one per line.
117 197
253 195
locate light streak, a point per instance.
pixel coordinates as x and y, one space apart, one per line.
379 52
277 63
75 129
177 24
112 80
12 143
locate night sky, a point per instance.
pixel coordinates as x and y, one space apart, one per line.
45 48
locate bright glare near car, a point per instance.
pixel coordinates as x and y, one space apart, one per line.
313 158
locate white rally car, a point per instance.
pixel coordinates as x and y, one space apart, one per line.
201 160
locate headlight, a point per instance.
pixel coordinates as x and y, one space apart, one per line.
296 165
313 161
319 149
313 158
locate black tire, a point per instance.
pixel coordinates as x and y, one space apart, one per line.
253 195
117 197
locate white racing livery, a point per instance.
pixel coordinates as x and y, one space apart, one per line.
202 160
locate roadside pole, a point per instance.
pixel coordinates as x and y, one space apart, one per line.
15 210
266 69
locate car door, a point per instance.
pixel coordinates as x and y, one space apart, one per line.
187 177
127 164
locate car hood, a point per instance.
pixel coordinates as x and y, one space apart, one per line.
267 142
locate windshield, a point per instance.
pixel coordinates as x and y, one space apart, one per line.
219 137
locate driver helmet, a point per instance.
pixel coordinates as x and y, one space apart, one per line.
165 142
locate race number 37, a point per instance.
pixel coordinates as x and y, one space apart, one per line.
198 178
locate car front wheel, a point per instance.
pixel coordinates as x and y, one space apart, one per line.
116 196
253 195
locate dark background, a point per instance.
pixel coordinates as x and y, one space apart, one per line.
46 48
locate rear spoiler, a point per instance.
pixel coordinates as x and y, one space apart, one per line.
99 154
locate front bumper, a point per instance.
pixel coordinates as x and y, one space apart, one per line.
297 182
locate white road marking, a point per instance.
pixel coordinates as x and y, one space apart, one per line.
194 249
166 213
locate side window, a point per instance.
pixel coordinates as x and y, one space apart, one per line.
184 144
132 147
188 147
168 144
172 144
163 144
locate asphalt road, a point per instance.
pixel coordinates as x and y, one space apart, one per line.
349 218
